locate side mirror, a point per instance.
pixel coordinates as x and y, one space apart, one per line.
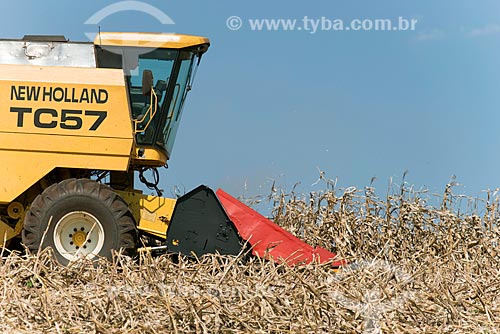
147 82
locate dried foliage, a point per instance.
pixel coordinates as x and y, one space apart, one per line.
415 268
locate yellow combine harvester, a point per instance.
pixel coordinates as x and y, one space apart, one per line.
78 120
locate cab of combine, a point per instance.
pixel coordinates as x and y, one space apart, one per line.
158 71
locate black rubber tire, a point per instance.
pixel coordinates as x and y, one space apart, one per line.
113 213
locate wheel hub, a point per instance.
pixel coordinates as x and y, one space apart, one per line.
79 238
78 234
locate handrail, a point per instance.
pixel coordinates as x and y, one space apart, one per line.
151 111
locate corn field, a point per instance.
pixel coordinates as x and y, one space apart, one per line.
418 263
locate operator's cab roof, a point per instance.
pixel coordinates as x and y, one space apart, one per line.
151 40
57 50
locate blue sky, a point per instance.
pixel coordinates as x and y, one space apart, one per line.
278 105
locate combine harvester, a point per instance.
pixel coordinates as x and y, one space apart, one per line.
76 114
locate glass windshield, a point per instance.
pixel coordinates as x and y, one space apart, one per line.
178 97
161 63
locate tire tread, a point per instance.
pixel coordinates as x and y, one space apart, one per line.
33 226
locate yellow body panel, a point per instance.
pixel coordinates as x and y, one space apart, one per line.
150 157
149 40
7 232
152 213
60 117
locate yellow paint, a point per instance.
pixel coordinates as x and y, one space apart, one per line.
152 213
29 151
7 232
20 170
15 210
72 81
149 40
79 238
150 157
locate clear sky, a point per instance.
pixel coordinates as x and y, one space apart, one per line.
278 105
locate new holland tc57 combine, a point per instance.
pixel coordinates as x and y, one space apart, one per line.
78 120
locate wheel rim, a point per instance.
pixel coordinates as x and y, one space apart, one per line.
78 234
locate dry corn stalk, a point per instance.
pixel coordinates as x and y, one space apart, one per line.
414 268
